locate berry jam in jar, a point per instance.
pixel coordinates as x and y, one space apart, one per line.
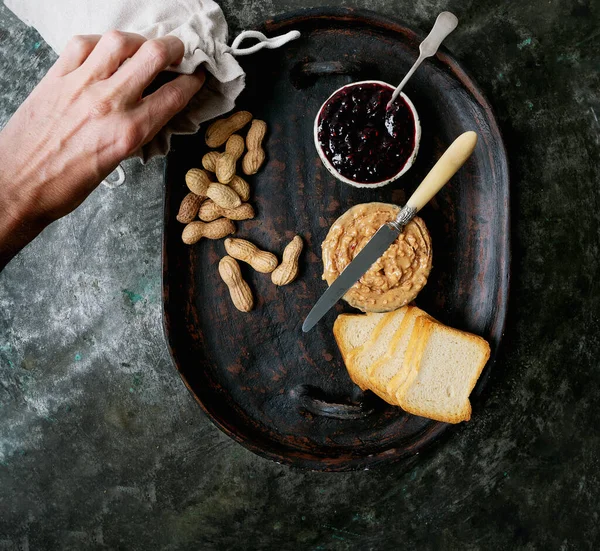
361 141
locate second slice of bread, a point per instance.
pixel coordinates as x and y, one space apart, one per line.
442 374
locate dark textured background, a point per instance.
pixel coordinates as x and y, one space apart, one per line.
101 446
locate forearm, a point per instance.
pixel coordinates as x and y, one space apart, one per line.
23 186
19 224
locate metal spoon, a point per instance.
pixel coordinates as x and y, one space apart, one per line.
444 25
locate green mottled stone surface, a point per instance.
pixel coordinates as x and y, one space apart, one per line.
102 447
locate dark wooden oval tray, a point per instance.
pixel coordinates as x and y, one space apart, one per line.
284 394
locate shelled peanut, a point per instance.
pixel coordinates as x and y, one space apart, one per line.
287 271
198 181
255 157
237 183
218 229
189 207
210 211
225 165
242 249
239 290
209 161
241 187
219 131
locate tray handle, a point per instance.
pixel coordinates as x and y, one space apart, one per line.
306 73
313 400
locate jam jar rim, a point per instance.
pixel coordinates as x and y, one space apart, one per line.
407 165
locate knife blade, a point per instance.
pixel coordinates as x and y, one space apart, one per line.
360 265
446 167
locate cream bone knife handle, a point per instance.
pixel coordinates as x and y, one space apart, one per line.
446 167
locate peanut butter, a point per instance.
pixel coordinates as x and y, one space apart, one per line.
397 277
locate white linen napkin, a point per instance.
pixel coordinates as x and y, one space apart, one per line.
200 24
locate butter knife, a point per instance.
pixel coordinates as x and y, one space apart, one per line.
446 167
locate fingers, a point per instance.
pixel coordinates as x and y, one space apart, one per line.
161 106
75 53
111 51
153 57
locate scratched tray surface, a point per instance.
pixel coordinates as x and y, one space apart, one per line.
284 394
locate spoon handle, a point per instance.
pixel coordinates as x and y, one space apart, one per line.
445 23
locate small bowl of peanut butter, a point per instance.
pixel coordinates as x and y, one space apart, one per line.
360 140
401 272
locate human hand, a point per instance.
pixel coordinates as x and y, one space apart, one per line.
84 117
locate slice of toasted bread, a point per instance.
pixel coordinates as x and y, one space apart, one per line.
362 357
443 371
352 330
390 371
